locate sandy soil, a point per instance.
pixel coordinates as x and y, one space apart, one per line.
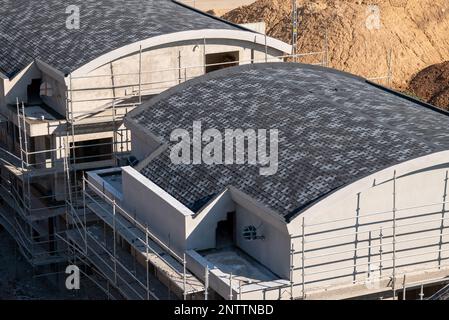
360 35
217 7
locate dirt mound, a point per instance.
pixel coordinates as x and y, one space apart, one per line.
360 34
432 85
217 12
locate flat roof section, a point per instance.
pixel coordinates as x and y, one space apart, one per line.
244 269
36 112
334 129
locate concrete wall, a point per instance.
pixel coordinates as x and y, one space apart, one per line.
344 229
142 145
57 100
17 87
201 227
162 68
273 251
167 61
256 26
182 229
166 217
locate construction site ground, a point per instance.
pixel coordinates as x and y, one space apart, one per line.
18 283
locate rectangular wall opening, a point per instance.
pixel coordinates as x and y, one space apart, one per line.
91 150
222 60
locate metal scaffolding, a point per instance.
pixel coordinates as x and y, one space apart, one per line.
47 222
375 248
128 255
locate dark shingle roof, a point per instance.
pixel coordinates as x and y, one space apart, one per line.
334 129
12 59
37 29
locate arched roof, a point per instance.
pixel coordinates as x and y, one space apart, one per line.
334 129
36 30
201 35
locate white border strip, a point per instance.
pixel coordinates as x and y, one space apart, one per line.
165 39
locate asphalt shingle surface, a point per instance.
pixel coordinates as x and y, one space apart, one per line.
35 29
333 130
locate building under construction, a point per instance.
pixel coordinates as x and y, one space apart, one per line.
64 92
357 207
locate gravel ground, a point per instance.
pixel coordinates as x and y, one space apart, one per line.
17 282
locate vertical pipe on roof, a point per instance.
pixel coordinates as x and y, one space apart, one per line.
114 245
380 252
206 282
294 29
184 279
292 252
140 74
356 237
84 212
394 236
443 213
303 260
204 55
20 135
266 49
147 260
230 287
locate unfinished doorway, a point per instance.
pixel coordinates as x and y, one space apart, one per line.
225 232
33 92
218 61
91 150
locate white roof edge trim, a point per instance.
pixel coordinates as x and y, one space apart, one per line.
433 159
161 193
241 35
3 76
21 72
48 69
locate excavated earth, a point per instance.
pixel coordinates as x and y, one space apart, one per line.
432 85
360 33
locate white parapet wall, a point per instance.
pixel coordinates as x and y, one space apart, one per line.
256 26
386 226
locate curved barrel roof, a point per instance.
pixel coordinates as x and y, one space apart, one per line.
35 29
334 128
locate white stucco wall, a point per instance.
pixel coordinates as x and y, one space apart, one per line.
201 228
162 67
160 60
57 100
184 230
166 217
17 86
142 145
333 248
273 251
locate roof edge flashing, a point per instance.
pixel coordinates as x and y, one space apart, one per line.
408 98
402 168
160 193
48 69
3 76
241 35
